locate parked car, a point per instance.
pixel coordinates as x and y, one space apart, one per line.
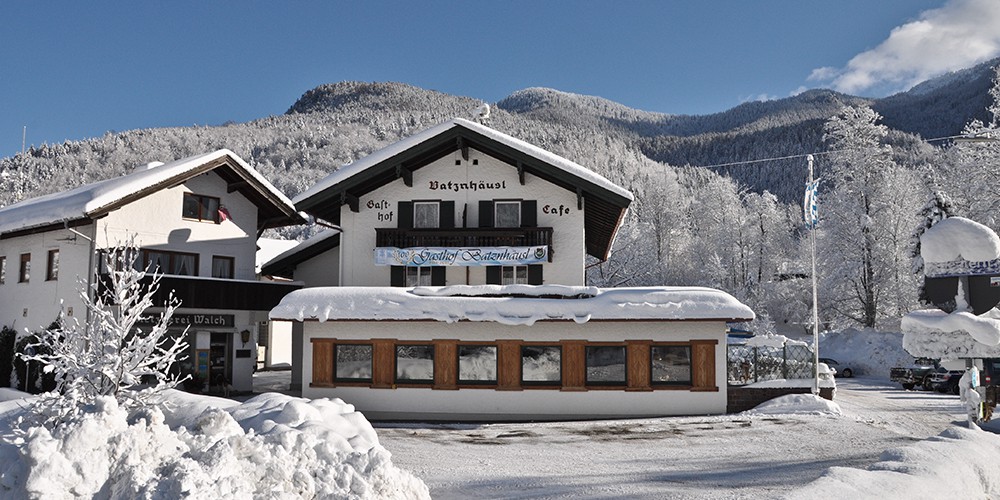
917 374
839 370
946 381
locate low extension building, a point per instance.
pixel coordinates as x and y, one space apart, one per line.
451 285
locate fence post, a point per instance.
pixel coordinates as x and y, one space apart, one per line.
784 362
756 365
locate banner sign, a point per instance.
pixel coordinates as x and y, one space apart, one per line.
460 256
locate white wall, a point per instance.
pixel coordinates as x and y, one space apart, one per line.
321 270
358 240
490 404
279 344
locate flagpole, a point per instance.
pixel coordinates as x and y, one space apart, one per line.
815 311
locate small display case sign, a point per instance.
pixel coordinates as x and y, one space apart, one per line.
461 256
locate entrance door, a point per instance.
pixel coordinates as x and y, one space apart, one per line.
220 371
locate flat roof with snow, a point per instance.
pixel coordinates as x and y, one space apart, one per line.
511 304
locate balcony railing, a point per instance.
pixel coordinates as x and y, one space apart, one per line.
465 237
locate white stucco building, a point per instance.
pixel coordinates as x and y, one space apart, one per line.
196 220
451 285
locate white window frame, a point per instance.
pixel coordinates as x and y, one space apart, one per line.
509 275
496 212
418 276
416 210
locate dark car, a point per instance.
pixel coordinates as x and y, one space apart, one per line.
839 370
946 381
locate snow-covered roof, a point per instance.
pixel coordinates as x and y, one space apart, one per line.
936 334
269 248
283 263
605 202
510 305
352 169
101 197
959 246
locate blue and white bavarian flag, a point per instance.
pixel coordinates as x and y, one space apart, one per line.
810 205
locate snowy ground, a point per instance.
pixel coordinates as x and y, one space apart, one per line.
734 456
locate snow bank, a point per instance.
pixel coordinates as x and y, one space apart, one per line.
772 340
959 463
796 404
868 352
516 305
272 446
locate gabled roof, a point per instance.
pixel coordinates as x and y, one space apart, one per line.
95 200
605 203
284 263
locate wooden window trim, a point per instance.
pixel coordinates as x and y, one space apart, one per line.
170 261
212 218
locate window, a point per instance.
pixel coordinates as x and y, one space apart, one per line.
541 365
52 267
352 363
514 275
202 208
25 271
606 365
414 364
3 270
507 213
418 276
477 364
166 262
670 365
426 214
222 267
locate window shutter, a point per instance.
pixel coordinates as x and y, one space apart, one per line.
447 215
493 275
405 211
529 213
397 276
438 275
485 213
535 274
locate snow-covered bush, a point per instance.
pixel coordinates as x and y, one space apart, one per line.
113 354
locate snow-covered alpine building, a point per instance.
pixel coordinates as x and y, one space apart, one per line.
451 286
196 220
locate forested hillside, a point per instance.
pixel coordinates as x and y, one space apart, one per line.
735 227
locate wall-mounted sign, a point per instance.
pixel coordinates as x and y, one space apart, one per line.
466 186
194 320
461 256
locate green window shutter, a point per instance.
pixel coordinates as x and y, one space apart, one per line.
438 275
535 274
529 213
447 214
397 276
485 213
405 210
493 275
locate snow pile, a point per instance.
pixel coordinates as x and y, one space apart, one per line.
959 463
520 305
958 238
866 351
271 446
796 404
984 329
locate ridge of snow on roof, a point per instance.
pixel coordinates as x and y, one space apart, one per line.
958 238
422 303
300 246
88 199
387 152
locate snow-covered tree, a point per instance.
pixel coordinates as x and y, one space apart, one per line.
115 353
938 207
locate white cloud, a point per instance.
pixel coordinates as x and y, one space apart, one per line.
960 34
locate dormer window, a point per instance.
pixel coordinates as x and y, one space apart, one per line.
201 208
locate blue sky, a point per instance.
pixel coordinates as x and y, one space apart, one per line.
71 70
